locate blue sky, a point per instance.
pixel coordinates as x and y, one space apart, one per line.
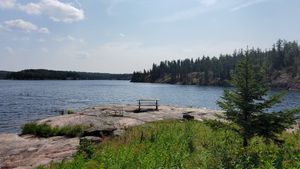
120 36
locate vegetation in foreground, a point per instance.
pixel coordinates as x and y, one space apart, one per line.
185 144
45 130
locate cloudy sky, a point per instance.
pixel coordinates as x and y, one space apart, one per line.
121 36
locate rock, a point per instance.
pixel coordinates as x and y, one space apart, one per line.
99 132
295 128
93 139
30 152
31 149
188 116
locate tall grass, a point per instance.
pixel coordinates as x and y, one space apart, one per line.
190 144
45 130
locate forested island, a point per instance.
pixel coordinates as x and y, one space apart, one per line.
43 74
282 63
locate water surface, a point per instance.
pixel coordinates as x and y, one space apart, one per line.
23 101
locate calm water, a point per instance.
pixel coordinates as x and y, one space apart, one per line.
23 101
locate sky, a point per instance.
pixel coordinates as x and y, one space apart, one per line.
122 36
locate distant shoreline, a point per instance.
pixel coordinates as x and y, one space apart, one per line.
44 74
60 79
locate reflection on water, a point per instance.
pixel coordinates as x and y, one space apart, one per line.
23 101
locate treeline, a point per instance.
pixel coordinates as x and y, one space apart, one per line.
282 63
3 74
43 74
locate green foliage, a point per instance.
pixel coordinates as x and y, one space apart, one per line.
86 148
4 74
247 103
282 59
43 74
78 163
188 144
45 130
70 111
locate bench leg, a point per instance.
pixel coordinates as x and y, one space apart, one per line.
139 105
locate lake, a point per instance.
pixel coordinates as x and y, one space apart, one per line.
24 101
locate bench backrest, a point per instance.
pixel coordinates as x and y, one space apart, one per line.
148 100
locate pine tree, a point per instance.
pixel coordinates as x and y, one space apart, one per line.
247 103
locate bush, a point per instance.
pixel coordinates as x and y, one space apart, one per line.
45 130
86 148
188 144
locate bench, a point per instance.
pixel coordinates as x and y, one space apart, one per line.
148 102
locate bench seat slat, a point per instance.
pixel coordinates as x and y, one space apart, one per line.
148 104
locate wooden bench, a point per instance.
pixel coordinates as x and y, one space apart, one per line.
148 102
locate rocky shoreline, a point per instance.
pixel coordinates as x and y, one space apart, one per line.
26 152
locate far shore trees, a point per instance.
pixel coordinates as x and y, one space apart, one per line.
247 104
283 60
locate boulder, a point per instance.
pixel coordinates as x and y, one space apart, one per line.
188 116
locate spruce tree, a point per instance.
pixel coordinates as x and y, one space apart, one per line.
247 104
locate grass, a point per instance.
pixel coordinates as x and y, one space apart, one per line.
189 144
45 130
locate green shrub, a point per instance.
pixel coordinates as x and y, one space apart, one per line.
188 144
86 148
69 111
45 130
29 128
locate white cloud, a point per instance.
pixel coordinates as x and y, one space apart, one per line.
59 11
7 4
55 10
31 8
246 4
20 25
25 26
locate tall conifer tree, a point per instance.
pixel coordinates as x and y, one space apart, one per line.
246 104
